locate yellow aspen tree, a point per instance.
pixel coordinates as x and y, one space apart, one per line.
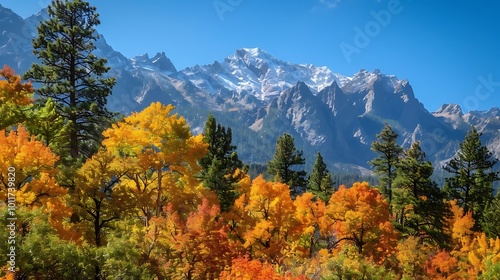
166 157
264 220
97 201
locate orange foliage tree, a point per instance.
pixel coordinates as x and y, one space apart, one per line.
27 174
199 247
472 253
264 220
15 98
245 269
360 216
310 213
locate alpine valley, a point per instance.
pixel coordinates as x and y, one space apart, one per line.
261 97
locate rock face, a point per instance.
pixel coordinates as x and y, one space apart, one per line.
260 97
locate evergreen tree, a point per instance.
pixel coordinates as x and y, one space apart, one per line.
285 157
71 75
472 183
320 181
490 221
220 163
417 201
388 156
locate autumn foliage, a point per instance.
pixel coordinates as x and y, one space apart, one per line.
15 98
136 208
361 216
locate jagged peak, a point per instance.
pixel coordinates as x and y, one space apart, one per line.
254 52
6 12
143 57
254 56
449 109
163 62
300 85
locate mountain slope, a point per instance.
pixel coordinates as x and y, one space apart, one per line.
260 97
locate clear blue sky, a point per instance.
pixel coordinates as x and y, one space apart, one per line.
448 50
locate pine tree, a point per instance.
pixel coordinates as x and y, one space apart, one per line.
285 157
320 181
490 222
473 175
388 156
71 75
417 201
220 164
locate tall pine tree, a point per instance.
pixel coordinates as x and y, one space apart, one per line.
417 201
220 164
285 157
320 181
473 175
71 75
385 164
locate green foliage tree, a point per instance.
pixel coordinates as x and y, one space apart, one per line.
490 221
320 181
473 175
40 252
385 163
71 75
418 201
285 157
220 164
49 127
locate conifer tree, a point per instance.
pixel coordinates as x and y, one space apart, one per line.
473 175
417 200
388 156
490 222
285 157
71 75
220 164
320 181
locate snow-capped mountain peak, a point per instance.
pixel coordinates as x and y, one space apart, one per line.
263 96
256 72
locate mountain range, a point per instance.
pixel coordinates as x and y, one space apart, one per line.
261 97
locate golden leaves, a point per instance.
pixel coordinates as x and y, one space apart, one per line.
361 216
165 158
12 90
35 181
34 165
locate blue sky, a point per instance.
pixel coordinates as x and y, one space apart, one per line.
448 50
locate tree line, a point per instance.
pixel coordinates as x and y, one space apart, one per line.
140 197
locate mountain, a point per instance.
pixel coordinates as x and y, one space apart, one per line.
260 97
